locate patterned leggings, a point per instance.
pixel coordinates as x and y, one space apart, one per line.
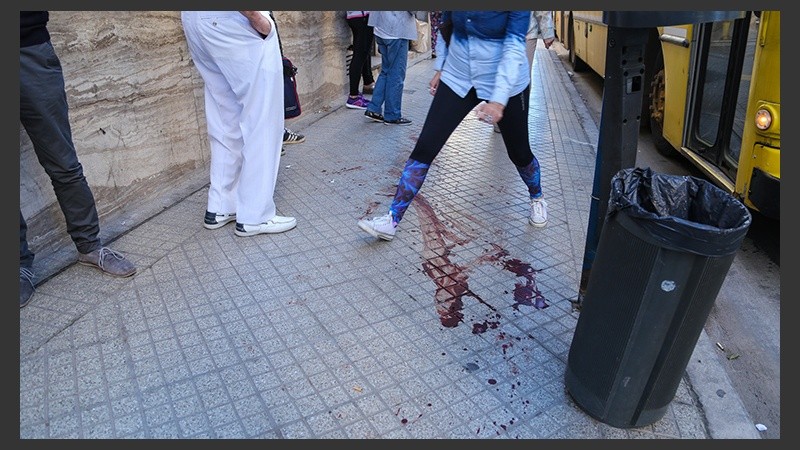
436 19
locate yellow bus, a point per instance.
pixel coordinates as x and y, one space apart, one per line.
712 95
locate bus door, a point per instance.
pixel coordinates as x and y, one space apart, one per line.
722 63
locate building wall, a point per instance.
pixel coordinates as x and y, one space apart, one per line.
137 114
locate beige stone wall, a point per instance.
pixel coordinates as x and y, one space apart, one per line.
136 109
316 41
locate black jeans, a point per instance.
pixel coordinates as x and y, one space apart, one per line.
361 64
448 110
43 111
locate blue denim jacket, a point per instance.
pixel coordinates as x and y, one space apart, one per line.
487 52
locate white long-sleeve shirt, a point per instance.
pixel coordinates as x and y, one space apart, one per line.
541 25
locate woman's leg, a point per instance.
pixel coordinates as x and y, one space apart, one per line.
379 94
396 61
362 38
514 128
366 67
446 112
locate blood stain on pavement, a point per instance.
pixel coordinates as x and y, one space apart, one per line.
452 280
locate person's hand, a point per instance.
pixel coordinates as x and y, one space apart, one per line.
490 112
259 22
434 83
548 42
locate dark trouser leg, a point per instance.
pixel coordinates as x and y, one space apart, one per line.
514 128
366 67
44 114
395 59
445 114
25 254
360 65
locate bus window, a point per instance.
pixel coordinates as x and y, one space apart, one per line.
719 49
735 146
723 62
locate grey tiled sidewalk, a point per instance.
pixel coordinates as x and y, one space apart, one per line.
326 332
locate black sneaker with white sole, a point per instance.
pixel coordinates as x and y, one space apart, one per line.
292 137
375 117
212 221
400 121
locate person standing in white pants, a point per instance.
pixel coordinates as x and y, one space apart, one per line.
238 57
541 25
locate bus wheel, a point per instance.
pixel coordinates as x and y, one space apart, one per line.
657 116
577 64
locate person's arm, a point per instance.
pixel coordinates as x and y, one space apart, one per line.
434 83
546 27
259 22
508 68
513 58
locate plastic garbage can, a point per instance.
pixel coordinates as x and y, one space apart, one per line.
666 245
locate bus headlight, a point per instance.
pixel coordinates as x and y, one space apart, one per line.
763 119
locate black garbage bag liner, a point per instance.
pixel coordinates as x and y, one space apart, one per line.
680 212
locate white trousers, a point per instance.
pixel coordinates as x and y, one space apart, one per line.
243 77
530 50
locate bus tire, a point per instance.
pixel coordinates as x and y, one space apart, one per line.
654 61
656 116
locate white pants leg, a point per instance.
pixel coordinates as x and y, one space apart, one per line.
243 77
530 50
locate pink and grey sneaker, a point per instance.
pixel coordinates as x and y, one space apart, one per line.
357 103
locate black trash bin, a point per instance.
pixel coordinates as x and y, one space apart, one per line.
665 248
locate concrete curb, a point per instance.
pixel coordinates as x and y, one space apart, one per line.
724 410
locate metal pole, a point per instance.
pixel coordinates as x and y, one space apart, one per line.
620 116
619 129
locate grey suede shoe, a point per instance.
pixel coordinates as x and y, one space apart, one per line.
109 261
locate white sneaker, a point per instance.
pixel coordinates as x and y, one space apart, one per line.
277 224
382 227
538 212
